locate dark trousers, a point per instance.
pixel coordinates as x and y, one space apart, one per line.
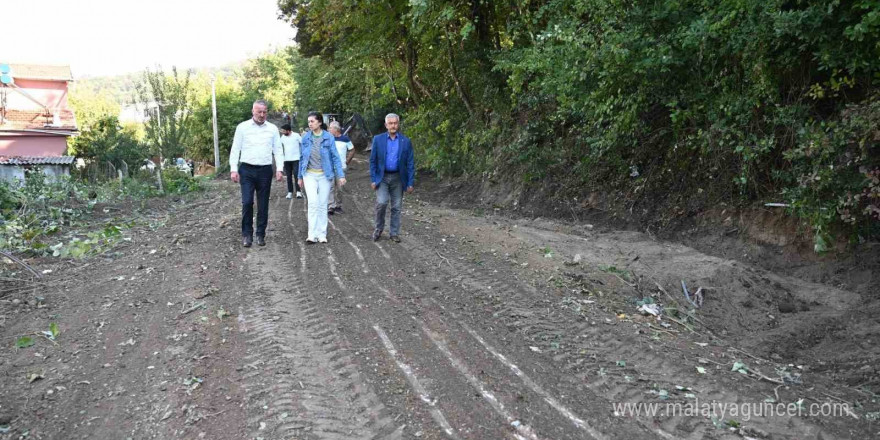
291 168
254 178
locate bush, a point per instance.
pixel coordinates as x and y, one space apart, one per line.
36 209
35 212
107 141
176 181
834 181
10 198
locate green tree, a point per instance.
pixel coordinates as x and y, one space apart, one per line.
170 98
90 106
106 141
270 77
233 106
680 104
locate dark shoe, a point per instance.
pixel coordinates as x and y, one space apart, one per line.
261 241
247 241
395 238
338 209
330 211
376 234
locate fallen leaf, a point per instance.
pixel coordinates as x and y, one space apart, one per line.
24 342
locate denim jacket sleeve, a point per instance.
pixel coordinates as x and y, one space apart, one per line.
304 151
329 143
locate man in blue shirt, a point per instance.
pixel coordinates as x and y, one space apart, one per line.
392 169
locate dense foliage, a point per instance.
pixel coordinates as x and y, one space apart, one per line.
675 105
170 99
233 106
268 76
104 140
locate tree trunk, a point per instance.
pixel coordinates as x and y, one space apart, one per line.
159 172
389 71
458 86
410 54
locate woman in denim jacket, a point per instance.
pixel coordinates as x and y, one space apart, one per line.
319 164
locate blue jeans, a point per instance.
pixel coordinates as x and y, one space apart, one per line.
389 188
254 178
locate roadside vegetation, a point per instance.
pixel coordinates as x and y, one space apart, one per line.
669 108
76 216
653 111
72 217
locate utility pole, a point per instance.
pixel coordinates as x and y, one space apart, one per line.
159 137
214 114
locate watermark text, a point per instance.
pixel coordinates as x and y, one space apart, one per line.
724 410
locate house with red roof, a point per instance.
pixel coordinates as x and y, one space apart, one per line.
35 119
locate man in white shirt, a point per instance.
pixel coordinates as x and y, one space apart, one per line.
250 163
291 141
346 153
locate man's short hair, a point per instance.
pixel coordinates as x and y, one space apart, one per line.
261 102
285 127
335 125
392 116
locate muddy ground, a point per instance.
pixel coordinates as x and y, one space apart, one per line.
478 325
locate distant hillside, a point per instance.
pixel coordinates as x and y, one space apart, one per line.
120 88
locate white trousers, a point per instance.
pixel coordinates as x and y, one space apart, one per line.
317 192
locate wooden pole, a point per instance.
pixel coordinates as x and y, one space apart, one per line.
214 114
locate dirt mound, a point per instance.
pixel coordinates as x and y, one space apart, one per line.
763 286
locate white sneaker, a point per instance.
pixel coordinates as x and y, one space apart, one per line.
322 240
289 195
299 195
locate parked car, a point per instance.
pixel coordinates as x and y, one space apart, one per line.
181 165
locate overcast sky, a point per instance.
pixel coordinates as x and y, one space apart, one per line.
107 37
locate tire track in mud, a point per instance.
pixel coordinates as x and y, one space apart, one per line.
496 402
455 396
299 378
523 430
538 321
356 249
419 386
538 318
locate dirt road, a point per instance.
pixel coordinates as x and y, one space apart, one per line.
473 327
